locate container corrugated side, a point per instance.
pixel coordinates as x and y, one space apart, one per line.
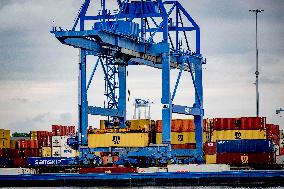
238 134
4 143
210 159
246 158
180 137
244 146
118 140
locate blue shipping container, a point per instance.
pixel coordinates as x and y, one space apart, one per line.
244 146
36 161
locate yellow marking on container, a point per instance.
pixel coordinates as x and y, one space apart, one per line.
244 159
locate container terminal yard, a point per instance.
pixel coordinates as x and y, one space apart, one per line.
234 151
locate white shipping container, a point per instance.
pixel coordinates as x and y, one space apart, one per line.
281 134
56 151
67 152
63 141
56 141
199 168
16 171
277 150
280 159
281 144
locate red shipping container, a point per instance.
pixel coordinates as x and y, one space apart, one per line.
187 125
72 130
20 162
210 148
281 151
253 123
274 138
272 129
184 146
243 123
240 158
108 170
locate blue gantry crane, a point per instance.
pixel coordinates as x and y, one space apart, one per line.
154 33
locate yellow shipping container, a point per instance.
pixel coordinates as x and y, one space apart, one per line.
180 137
238 134
33 135
210 159
141 124
118 140
13 144
102 124
4 143
46 151
5 134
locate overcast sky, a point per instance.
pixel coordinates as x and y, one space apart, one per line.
38 75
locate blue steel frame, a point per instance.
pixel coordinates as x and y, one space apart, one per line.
164 55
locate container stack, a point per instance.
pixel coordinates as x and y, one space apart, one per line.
60 147
239 141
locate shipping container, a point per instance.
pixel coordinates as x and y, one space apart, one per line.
51 161
178 137
56 141
210 159
210 148
181 125
281 143
46 152
246 158
5 162
4 143
56 152
5 134
67 152
108 170
20 162
281 134
13 144
118 139
243 123
244 146
140 125
274 138
33 135
280 160
238 134
184 146
276 150
272 129
281 151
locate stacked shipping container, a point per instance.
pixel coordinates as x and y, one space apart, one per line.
240 141
4 138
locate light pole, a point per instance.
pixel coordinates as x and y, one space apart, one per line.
256 11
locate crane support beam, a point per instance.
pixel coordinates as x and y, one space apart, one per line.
186 110
93 110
